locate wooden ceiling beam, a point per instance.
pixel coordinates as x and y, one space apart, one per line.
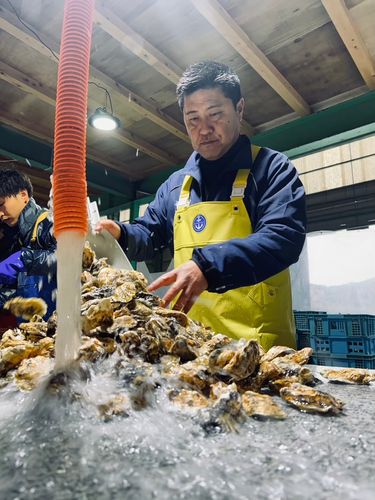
31 86
34 130
140 47
27 84
10 24
128 38
218 17
352 39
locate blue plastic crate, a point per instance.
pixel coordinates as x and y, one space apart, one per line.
343 325
344 361
343 345
303 339
329 324
303 319
362 325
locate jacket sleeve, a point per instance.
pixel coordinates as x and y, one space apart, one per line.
41 261
143 238
276 202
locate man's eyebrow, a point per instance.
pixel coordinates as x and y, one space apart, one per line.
215 106
209 108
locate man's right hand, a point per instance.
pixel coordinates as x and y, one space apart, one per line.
110 226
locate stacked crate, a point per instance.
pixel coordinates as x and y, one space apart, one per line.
337 339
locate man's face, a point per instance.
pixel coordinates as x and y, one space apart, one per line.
12 206
212 122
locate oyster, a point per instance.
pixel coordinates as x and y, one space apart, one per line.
124 293
35 329
187 398
305 377
300 357
238 363
277 351
117 405
31 371
181 317
194 375
261 406
12 356
122 323
310 400
91 349
225 413
216 342
349 376
88 256
98 314
26 308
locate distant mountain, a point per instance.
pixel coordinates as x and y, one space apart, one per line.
351 298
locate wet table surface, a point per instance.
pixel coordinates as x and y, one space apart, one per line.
59 449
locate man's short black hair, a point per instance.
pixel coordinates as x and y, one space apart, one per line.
13 181
207 75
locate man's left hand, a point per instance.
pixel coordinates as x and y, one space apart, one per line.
187 281
9 269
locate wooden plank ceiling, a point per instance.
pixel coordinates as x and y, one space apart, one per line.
293 57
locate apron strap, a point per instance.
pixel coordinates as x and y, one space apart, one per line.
240 182
184 199
40 218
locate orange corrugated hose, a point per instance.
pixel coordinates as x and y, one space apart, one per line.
69 175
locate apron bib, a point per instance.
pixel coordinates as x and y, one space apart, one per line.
263 311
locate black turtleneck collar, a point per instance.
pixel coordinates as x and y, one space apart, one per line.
227 161
218 173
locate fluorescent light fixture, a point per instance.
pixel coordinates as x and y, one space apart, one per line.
101 119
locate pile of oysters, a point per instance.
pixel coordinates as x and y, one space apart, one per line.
209 376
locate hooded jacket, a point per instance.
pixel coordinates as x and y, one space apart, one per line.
39 258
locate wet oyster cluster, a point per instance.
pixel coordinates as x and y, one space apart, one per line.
215 379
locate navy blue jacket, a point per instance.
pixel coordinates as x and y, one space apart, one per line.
39 257
275 201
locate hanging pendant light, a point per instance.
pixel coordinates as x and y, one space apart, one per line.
102 119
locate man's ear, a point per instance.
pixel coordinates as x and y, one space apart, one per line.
24 195
240 106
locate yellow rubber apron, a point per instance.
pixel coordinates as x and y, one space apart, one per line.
262 311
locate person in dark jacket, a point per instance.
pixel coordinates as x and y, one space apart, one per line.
28 265
234 216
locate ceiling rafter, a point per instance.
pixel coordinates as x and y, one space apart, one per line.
10 24
352 39
219 18
126 36
35 130
23 82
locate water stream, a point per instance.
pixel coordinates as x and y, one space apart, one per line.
69 257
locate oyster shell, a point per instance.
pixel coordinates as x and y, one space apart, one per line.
117 405
226 412
26 308
187 398
261 406
31 371
310 400
98 314
349 376
88 256
277 351
239 362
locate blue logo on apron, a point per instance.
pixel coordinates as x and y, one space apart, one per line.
199 223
